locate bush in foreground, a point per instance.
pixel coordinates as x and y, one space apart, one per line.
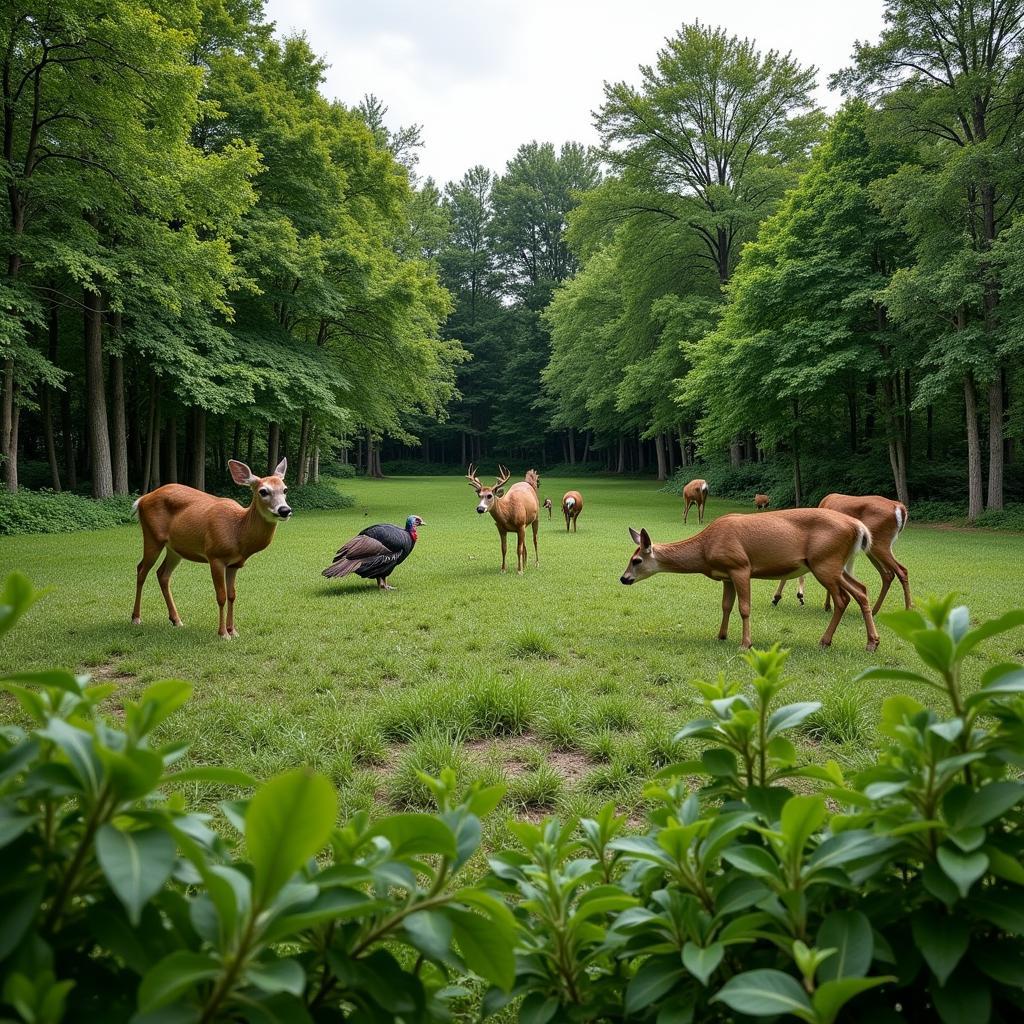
761 887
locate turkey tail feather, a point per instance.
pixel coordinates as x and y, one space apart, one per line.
340 568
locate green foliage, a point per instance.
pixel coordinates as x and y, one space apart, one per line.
760 882
45 512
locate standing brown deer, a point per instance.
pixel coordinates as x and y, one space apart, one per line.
779 545
549 506
511 512
761 501
572 506
202 528
885 519
695 493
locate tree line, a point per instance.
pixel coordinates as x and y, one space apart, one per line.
206 257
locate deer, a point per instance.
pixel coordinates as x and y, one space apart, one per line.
549 506
761 502
885 519
572 506
695 493
511 512
776 545
200 527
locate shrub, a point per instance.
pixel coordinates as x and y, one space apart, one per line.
899 888
48 512
322 496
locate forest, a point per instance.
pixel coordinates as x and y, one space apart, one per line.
206 257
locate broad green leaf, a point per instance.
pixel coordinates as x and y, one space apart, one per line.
791 715
754 860
13 823
157 703
1011 620
942 939
1003 907
132 774
277 976
20 909
77 745
136 864
16 598
765 993
486 948
905 623
935 648
656 977
430 931
802 816
962 869
335 904
965 997
173 976
536 1009
849 933
988 803
289 819
899 674
702 961
415 834
832 996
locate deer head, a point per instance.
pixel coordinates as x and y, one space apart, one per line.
268 492
488 495
642 562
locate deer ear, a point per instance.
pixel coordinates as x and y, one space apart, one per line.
634 535
282 468
645 540
240 473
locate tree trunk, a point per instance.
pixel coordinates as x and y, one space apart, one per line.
974 506
931 432
735 452
572 447
119 439
68 435
248 446
995 443
198 473
895 438
273 444
462 457
659 452
303 444
684 455
8 434
586 445
170 445
152 417
639 453
621 467
46 411
311 447
315 472
96 399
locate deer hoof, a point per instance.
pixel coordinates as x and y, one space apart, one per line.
776 599
800 598
136 620
872 646
825 643
178 624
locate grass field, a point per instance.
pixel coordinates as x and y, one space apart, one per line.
564 682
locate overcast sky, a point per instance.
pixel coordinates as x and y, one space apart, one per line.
482 77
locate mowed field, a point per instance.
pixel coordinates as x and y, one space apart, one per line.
563 682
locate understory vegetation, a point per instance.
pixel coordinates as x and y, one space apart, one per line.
756 882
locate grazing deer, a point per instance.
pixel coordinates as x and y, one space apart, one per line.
511 512
695 493
549 506
885 519
761 501
780 545
572 506
202 528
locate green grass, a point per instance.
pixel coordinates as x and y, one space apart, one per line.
563 682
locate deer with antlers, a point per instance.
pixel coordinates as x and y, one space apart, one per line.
885 519
200 527
511 512
695 493
774 545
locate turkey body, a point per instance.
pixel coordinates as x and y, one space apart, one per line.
374 554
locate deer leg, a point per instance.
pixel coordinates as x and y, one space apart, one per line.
521 550
151 549
217 571
700 514
686 510
171 561
504 545
536 553
904 577
800 590
229 575
886 569
742 585
728 598
777 596
574 518
837 594
855 589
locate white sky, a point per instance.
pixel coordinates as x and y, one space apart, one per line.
483 77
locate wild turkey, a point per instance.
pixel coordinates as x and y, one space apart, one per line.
376 552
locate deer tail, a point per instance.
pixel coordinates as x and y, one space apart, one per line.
135 506
533 479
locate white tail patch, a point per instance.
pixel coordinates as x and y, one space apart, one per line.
901 519
704 488
135 506
862 543
570 502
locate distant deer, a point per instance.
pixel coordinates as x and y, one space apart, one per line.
549 506
885 519
695 493
780 545
761 501
572 506
511 512
202 528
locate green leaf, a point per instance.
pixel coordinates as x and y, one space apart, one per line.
791 715
802 816
430 931
132 774
210 773
1011 620
905 623
537 1009
935 648
13 823
754 860
988 803
899 674
702 962
656 977
942 939
765 993
20 909
832 996
962 869
485 946
136 864
15 599
289 819
849 933
77 745
415 834
277 976
965 997
1003 907
173 976
157 703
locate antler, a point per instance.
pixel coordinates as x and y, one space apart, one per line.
473 479
503 475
